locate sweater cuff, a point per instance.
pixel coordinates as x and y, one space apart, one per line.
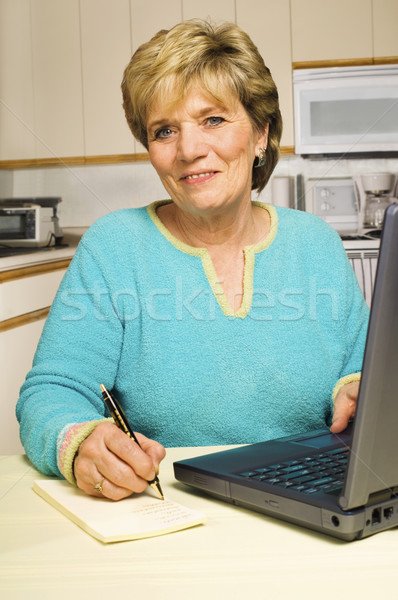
69 441
344 381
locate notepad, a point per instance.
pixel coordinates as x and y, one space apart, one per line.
139 516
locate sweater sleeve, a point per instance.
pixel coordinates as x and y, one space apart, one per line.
79 349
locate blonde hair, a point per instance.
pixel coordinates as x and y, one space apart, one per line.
224 60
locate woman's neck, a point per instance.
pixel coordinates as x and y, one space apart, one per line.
232 231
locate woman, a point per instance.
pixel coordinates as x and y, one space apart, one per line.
215 319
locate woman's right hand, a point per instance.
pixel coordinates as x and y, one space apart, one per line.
110 458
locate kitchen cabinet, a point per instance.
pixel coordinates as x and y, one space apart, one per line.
25 297
57 78
106 50
222 10
16 81
270 31
61 62
17 348
385 28
40 80
331 29
147 18
26 294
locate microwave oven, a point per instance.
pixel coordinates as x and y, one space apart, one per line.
346 110
25 225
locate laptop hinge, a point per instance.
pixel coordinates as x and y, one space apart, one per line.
381 496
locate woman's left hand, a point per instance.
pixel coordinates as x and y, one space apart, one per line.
344 406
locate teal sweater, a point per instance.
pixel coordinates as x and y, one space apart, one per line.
144 314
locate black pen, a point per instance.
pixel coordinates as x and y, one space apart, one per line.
121 421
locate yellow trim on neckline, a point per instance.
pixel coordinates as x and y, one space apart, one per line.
208 267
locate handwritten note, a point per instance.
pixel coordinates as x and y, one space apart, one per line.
136 517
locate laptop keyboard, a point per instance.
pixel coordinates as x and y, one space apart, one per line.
320 472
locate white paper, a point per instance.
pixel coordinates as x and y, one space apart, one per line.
132 518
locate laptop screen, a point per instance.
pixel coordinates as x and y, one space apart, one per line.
373 462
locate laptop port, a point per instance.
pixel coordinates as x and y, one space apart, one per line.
376 516
387 512
335 521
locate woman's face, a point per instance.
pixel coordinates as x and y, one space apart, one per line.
203 152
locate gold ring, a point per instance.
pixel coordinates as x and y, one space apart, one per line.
98 486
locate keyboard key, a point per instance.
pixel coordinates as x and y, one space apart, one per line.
292 468
335 485
322 481
285 484
323 472
295 474
306 478
338 451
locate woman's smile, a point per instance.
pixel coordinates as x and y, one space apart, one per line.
198 178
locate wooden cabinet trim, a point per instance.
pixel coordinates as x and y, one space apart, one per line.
64 161
346 62
286 150
385 60
33 270
89 160
25 319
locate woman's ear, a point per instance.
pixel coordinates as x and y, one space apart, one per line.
263 138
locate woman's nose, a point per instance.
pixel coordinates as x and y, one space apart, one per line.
191 144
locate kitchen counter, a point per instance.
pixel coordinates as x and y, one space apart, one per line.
28 284
71 237
237 554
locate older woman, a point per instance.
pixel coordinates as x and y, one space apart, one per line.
214 318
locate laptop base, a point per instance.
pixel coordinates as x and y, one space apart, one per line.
322 513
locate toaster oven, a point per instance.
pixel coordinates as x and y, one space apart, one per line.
25 225
335 201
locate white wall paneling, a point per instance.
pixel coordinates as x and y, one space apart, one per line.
106 50
385 27
57 78
331 29
222 10
16 81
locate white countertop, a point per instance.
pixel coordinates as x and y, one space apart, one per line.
71 237
237 554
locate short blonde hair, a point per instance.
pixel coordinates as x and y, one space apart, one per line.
224 60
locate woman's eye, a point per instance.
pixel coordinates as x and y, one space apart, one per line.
163 133
215 120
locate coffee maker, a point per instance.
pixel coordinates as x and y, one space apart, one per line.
375 191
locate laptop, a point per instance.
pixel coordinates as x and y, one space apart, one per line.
344 485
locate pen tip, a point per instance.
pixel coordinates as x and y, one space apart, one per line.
156 486
103 388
